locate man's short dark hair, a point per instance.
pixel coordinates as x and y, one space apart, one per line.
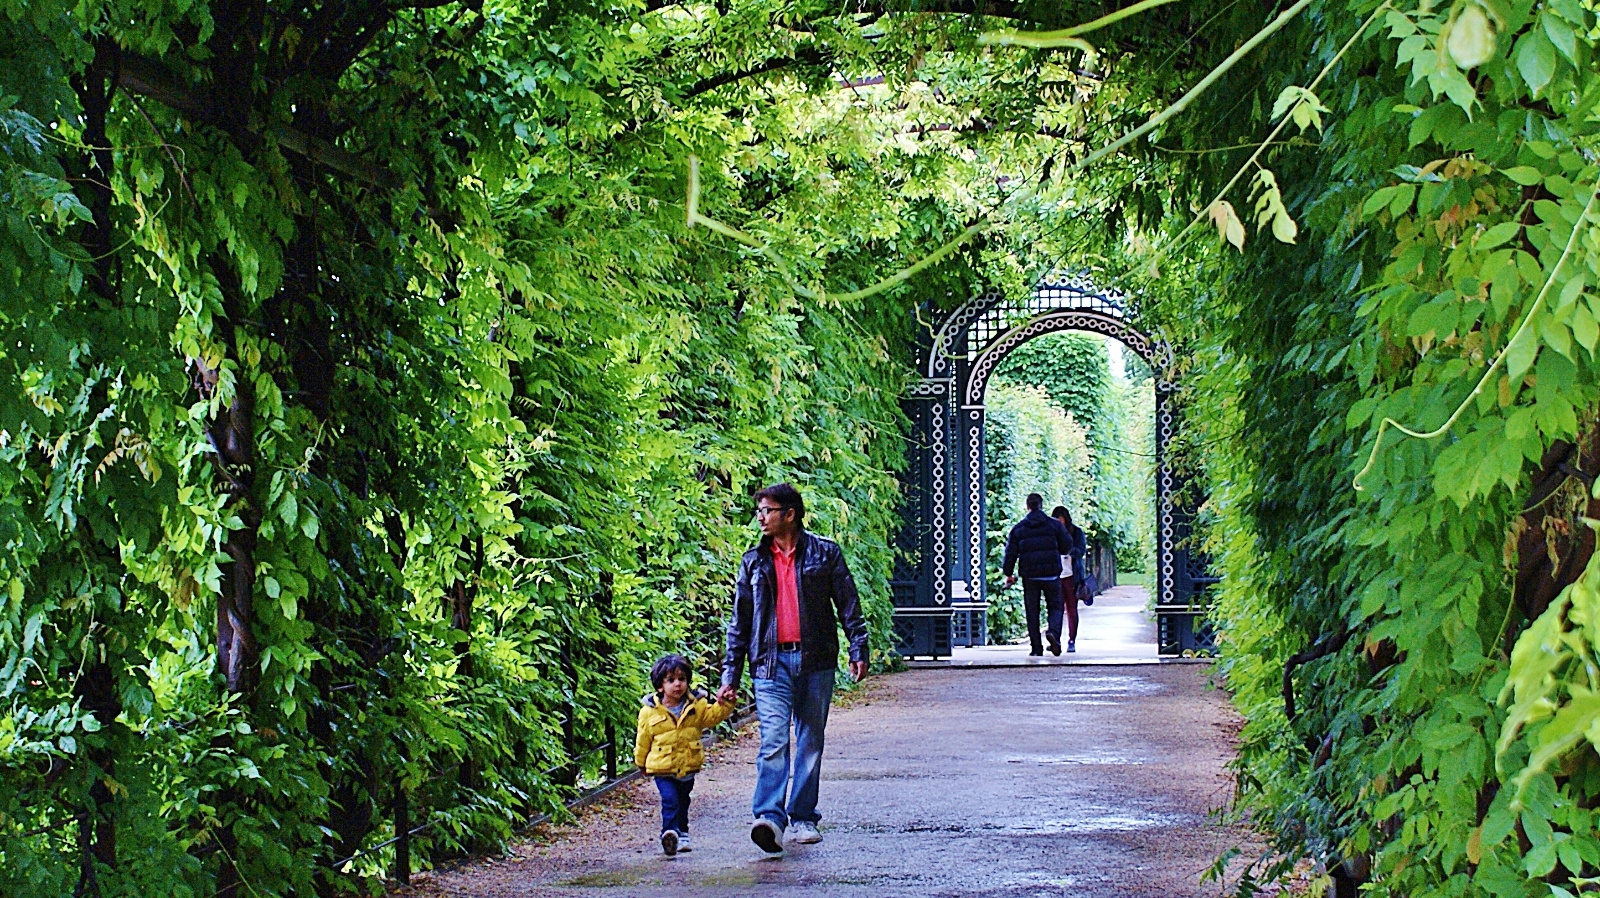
668 665
1035 501
785 495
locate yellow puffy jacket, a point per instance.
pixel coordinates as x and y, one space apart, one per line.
670 746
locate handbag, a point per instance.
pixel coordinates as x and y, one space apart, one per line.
1087 587
1066 566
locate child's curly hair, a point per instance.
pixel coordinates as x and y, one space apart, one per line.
670 664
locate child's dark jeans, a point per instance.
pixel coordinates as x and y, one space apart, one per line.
675 803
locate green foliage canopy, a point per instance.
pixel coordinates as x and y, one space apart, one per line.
369 414
370 432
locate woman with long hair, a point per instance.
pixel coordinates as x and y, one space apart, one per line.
1072 562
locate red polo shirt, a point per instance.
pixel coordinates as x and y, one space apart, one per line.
788 595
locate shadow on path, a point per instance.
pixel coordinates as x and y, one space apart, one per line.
1080 781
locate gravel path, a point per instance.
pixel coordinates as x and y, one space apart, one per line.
1080 781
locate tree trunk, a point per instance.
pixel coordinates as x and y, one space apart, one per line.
233 444
1553 544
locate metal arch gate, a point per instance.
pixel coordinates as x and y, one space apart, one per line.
939 589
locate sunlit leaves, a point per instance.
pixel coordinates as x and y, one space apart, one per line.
1471 38
1269 208
1269 211
1227 222
1302 106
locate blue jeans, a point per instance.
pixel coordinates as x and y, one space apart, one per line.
674 803
790 697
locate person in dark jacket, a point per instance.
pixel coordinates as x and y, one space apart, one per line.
1071 572
1034 549
785 598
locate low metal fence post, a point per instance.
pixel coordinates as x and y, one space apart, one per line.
402 832
611 750
85 858
569 743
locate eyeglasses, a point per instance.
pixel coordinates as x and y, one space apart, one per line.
764 510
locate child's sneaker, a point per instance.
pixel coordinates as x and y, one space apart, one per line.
683 843
804 832
669 843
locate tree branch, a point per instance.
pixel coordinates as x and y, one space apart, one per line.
1321 649
984 126
149 79
329 61
803 56
998 9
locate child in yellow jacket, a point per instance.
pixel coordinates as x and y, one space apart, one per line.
668 743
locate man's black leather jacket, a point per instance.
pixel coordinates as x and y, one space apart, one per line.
825 585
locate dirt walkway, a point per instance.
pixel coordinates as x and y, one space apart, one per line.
1080 781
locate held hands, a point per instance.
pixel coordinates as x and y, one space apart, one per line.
1011 580
727 694
858 670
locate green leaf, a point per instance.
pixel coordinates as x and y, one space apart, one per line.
1500 821
1522 352
1526 175
1360 413
1556 335
1571 858
1403 195
1495 236
1536 61
1378 201
1541 860
1585 329
1520 425
1570 292
1302 105
289 511
1561 35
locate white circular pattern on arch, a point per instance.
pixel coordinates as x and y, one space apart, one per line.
1075 320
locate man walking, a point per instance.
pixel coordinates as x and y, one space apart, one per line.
1035 546
789 587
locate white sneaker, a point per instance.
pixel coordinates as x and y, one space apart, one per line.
683 843
804 832
669 843
766 835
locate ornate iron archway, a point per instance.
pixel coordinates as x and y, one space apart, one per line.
940 592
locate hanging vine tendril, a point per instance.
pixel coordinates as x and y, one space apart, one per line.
1066 37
